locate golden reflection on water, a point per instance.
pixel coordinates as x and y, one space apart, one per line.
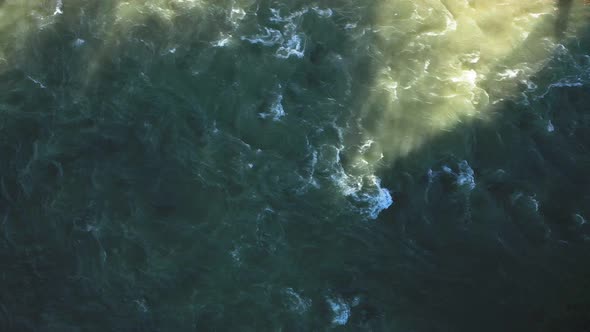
436 63
443 63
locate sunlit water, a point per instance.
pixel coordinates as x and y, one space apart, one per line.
186 165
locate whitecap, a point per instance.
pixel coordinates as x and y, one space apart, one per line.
275 15
235 255
466 176
370 198
41 85
534 203
270 37
78 42
450 22
378 200
515 197
340 310
289 40
323 12
509 73
564 83
467 76
348 185
221 42
293 47
471 57
237 14
529 200
58 8
579 219
362 187
276 111
295 302
530 85
142 305
363 148
310 180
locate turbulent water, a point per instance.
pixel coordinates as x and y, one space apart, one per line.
258 165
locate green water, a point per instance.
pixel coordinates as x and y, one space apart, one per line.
256 165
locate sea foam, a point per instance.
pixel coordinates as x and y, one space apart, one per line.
364 189
276 111
340 310
290 42
58 8
295 302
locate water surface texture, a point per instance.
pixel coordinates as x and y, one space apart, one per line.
261 165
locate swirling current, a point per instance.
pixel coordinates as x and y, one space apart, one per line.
263 165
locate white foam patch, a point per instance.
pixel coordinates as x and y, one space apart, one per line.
293 47
296 302
236 15
222 42
509 73
313 163
515 197
269 37
580 78
450 25
579 219
322 12
468 77
471 57
465 177
550 127
340 310
349 186
276 111
376 198
236 256
189 4
565 83
78 42
534 203
364 189
290 42
142 305
309 180
39 83
58 8
530 200
363 148
530 85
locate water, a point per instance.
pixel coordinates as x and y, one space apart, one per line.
253 165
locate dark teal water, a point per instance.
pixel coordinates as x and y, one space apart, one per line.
255 165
